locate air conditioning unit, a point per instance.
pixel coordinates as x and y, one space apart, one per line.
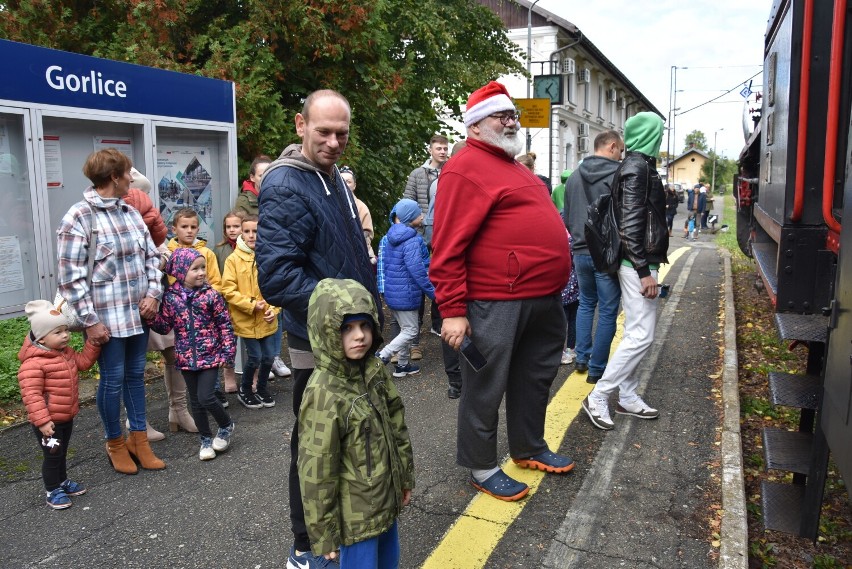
584 129
585 76
610 95
583 144
569 67
622 102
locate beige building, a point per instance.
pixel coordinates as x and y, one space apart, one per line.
686 168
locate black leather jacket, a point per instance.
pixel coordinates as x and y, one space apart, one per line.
641 213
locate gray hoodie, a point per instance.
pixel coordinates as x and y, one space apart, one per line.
595 174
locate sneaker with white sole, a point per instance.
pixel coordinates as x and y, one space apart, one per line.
206 451
223 438
249 400
407 369
308 560
58 499
636 408
597 408
265 398
72 488
567 356
280 369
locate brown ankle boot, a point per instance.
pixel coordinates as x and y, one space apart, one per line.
138 447
119 457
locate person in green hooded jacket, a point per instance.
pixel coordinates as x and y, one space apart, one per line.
558 194
640 212
356 465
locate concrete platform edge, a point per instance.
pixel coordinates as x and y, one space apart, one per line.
733 552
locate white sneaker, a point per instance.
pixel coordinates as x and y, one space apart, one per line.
637 408
206 452
597 408
280 369
567 356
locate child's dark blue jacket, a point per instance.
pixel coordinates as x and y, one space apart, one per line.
406 269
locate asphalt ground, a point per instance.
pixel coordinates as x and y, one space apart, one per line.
642 495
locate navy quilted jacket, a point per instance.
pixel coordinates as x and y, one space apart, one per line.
308 230
406 266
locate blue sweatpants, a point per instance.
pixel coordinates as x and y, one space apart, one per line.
380 552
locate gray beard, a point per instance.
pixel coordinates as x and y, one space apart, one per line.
512 146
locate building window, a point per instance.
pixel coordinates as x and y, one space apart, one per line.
600 102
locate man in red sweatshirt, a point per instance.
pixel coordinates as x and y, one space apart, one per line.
500 261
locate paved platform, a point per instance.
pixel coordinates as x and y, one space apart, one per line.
642 495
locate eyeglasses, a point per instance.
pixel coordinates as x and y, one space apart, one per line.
345 169
504 118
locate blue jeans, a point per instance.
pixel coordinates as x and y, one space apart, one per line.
601 291
380 552
279 334
122 365
261 353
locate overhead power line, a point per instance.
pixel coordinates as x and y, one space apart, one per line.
738 85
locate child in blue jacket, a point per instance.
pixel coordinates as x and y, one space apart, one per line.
406 280
204 341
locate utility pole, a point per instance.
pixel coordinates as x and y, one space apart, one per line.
529 65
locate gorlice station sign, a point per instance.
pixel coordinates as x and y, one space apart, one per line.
47 76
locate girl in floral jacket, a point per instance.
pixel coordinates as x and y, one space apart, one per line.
204 341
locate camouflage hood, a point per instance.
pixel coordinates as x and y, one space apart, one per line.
355 458
331 300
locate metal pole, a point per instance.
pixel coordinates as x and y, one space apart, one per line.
669 129
529 64
713 175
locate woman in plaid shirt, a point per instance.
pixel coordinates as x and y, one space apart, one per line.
124 288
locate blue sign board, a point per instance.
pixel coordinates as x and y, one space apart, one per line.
40 75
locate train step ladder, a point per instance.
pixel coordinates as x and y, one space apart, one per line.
795 508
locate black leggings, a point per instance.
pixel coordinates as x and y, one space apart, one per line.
201 387
53 466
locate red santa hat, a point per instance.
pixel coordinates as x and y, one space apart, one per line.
493 98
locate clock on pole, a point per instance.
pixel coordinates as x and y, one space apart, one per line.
548 87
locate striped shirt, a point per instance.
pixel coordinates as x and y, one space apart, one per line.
126 268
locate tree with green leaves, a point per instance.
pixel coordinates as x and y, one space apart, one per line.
725 170
695 139
403 64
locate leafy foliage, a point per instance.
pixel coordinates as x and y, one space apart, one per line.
695 139
401 63
725 171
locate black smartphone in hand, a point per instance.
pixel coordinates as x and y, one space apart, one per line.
472 354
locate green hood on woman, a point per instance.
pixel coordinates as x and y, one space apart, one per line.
643 133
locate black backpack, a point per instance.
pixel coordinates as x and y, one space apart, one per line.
602 236
601 231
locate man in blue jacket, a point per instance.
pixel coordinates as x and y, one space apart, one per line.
309 230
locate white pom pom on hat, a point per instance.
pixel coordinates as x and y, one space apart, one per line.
140 181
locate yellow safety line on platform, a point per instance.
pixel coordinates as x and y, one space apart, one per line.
472 538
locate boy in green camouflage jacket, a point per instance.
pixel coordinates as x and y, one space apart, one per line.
356 466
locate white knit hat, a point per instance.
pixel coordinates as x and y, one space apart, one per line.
493 98
43 317
140 181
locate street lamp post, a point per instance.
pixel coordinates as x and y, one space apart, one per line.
713 175
673 108
529 64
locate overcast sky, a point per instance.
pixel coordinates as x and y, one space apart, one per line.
719 42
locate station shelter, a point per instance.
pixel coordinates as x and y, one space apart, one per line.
56 108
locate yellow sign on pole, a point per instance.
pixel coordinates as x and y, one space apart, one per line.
535 113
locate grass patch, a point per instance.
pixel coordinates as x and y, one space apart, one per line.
12 334
728 239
